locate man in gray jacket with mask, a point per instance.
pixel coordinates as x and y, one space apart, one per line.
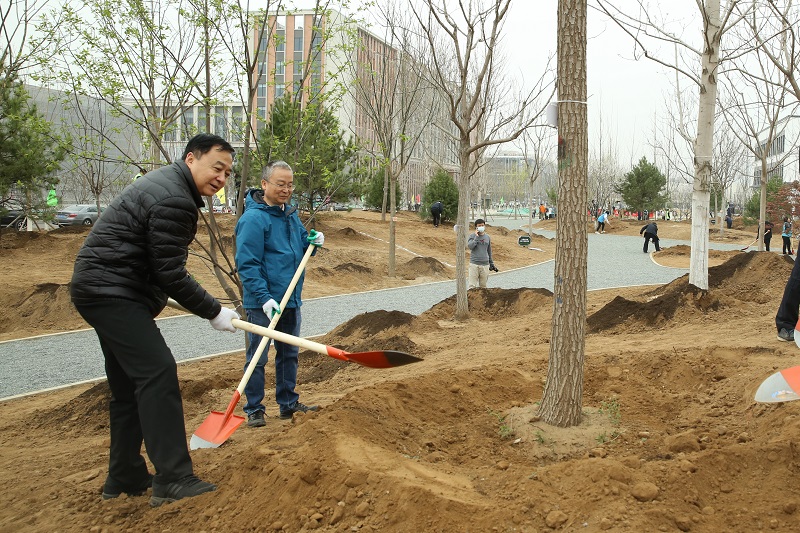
480 255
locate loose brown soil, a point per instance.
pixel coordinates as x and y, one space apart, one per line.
671 439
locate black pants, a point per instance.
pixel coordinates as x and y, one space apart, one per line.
647 238
437 218
787 244
146 400
788 310
767 238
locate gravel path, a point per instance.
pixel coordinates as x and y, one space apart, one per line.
74 357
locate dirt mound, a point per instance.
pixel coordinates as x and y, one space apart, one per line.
492 304
421 266
372 323
745 278
683 250
350 233
353 268
47 304
12 239
90 408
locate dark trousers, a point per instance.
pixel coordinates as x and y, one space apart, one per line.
787 244
647 238
788 310
146 403
437 218
767 238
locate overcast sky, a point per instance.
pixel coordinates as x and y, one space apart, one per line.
625 94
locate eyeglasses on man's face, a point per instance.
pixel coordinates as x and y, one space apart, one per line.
282 186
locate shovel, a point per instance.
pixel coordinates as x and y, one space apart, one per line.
375 359
217 427
782 386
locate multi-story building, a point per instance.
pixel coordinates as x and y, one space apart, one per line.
507 177
783 155
318 54
227 121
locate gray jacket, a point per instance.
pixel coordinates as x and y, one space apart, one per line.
480 249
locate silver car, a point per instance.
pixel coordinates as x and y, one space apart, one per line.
78 215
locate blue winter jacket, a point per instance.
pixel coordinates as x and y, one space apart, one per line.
270 243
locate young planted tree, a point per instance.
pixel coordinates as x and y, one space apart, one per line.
643 187
390 93
441 188
320 157
96 165
142 60
30 150
758 97
772 24
701 66
25 45
463 63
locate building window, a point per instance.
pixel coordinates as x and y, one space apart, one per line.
237 123
220 124
187 121
201 119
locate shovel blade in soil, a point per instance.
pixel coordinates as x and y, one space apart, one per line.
782 386
382 358
214 430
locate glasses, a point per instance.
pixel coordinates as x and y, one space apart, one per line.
282 186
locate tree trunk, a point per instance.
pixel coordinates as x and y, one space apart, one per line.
392 219
563 392
462 228
762 206
703 149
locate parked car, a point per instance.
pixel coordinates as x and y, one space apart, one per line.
78 215
13 218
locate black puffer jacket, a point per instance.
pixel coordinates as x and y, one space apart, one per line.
138 248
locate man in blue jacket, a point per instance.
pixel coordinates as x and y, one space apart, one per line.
270 244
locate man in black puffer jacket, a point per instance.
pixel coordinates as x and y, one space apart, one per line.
132 260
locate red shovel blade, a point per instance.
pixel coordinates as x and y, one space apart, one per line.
217 427
377 359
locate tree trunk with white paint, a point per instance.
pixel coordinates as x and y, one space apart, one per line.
704 148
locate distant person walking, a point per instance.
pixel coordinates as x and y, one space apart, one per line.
786 234
436 212
650 231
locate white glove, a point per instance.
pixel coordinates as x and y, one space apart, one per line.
222 322
271 308
316 238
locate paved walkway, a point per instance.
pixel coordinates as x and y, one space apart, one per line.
39 363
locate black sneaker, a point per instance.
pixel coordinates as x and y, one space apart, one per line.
111 491
297 408
786 335
186 487
256 419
